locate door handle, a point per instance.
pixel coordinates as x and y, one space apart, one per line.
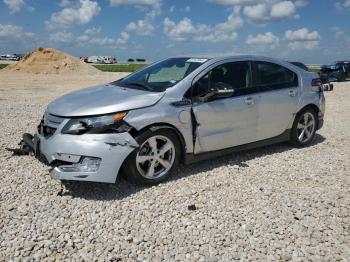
292 93
249 101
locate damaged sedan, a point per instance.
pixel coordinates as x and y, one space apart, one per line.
178 110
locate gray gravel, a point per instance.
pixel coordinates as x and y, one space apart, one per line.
272 203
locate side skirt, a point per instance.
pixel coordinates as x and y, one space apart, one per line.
193 158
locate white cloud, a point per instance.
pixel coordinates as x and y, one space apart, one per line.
342 5
107 41
178 32
14 32
65 3
103 41
302 39
62 37
17 5
85 39
302 34
265 11
145 26
187 8
186 30
272 11
155 4
142 27
123 38
263 40
311 45
301 3
93 31
235 2
134 2
257 12
69 16
283 9
15 39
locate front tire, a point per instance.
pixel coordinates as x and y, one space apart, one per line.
304 128
157 156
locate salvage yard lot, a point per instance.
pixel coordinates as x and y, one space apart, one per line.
135 67
110 68
120 67
272 203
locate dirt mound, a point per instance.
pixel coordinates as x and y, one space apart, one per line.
51 61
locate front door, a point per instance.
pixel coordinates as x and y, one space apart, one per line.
225 122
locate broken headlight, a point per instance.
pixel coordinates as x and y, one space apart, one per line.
97 125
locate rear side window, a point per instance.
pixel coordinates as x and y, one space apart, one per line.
270 76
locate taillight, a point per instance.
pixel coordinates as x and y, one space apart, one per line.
316 82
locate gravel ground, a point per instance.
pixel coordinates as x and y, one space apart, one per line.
272 203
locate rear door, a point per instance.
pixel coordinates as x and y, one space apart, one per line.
225 122
278 97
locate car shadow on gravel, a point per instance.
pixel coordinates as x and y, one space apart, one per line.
123 189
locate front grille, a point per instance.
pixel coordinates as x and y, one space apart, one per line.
52 121
48 131
49 125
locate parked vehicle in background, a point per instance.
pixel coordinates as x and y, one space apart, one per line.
346 65
19 56
339 71
301 65
141 60
131 60
14 57
84 59
101 60
178 110
327 85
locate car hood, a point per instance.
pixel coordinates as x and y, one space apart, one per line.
103 99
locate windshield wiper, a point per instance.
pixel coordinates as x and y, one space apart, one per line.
139 85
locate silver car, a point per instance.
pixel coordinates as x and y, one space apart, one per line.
178 110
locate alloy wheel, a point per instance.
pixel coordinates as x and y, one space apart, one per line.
155 157
306 127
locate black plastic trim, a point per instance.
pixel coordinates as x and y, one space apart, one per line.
193 158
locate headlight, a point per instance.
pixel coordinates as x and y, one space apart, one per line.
95 125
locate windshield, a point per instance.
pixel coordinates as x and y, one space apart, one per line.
160 76
335 67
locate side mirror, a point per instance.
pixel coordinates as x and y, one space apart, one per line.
222 90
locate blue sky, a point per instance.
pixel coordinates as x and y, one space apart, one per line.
312 31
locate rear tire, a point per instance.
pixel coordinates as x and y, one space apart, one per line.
157 157
304 128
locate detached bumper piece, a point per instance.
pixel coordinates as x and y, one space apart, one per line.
28 146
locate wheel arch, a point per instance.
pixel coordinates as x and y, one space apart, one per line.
313 107
159 126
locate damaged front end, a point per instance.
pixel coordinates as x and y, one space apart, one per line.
82 148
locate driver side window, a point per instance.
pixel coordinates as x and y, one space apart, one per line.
237 75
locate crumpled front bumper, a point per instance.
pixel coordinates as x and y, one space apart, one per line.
112 149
